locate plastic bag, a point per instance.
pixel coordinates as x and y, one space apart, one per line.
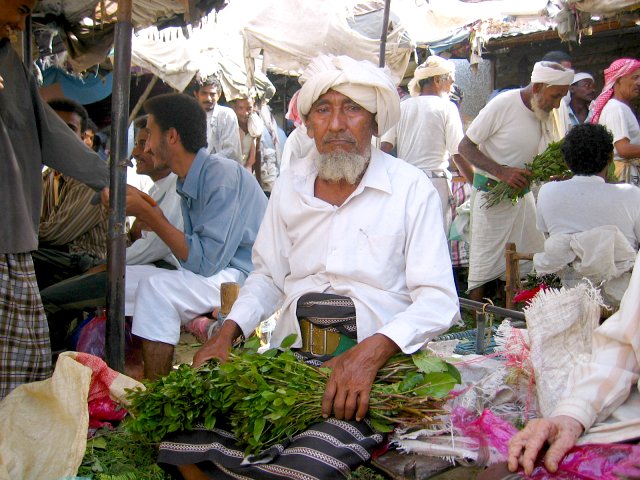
595 462
92 336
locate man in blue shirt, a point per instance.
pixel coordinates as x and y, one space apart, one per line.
222 207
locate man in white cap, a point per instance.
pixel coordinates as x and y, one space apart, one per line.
430 128
581 93
351 247
507 133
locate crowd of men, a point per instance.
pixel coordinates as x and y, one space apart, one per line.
351 240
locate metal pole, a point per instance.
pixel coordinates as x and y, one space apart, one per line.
27 48
114 350
385 27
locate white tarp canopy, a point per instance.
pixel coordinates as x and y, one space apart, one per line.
289 33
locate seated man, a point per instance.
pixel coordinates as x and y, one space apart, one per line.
143 257
353 242
222 207
584 217
73 230
597 398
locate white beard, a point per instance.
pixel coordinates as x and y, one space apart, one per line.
540 114
337 166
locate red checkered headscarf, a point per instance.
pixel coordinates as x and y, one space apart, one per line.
619 68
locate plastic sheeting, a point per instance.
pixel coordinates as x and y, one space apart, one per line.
289 33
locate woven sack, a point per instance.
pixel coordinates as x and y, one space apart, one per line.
560 325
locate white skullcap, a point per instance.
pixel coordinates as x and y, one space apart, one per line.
432 67
582 76
367 85
544 72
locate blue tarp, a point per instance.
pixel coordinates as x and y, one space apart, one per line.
89 89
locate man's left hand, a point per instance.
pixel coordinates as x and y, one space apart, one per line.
348 388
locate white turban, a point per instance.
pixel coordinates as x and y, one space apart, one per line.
364 83
432 67
582 76
544 72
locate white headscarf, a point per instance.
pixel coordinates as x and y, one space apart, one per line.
369 86
432 67
582 76
548 72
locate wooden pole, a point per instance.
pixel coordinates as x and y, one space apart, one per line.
116 246
383 35
142 99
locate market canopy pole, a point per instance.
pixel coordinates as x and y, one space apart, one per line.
383 35
116 247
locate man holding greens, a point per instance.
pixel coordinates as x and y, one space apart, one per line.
353 253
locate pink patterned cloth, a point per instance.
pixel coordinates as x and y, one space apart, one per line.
619 68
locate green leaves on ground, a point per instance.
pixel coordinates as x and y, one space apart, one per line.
267 398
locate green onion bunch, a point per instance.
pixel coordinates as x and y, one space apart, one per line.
545 165
273 396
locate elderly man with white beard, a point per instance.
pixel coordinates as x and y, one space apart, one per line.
351 246
507 133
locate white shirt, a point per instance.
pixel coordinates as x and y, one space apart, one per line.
298 145
585 202
507 131
222 133
149 247
621 121
428 132
384 248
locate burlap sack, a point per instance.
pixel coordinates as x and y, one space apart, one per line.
560 325
43 425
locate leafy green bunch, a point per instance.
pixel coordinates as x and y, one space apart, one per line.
545 165
270 397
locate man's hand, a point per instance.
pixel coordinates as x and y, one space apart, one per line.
560 432
1 82
515 177
219 345
138 202
348 388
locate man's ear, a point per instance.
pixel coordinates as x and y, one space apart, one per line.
537 87
172 136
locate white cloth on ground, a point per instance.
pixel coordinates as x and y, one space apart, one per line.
598 393
171 298
150 247
381 248
492 228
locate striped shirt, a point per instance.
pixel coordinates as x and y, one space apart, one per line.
601 389
73 221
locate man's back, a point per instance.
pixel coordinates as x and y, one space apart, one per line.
586 202
428 131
